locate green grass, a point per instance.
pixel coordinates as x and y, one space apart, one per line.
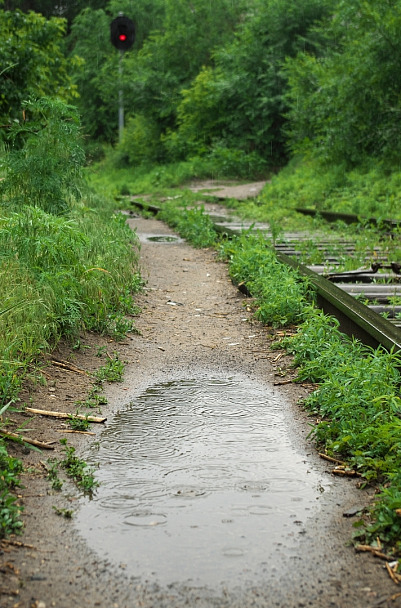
10 510
60 275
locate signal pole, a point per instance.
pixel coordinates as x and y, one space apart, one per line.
120 99
122 36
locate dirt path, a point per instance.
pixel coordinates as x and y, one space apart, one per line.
192 319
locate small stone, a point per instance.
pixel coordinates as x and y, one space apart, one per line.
353 511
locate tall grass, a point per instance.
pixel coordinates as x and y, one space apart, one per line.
61 275
68 262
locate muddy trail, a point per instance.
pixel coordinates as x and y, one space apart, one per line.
211 493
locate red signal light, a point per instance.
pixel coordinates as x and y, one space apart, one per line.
122 32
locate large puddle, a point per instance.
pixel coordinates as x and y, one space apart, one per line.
200 483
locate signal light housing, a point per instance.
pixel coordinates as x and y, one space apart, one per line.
122 33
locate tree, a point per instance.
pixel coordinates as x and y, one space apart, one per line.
347 105
240 102
96 74
68 9
174 54
32 61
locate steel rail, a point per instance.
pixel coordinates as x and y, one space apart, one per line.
355 318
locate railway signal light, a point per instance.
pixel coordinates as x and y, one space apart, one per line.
122 33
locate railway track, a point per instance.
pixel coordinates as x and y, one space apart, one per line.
366 301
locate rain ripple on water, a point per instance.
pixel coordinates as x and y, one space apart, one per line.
199 481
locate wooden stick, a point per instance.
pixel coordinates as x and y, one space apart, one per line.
373 551
392 575
331 459
69 366
9 592
72 431
16 543
346 472
64 415
38 444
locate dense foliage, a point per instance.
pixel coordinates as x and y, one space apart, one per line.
32 62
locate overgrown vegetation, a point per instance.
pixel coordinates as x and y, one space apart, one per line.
67 261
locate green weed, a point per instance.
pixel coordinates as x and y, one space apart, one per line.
112 371
53 474
78 470
67 513
78 424
280 294
194 225
10 510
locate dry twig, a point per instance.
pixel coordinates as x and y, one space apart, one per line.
396 578
373 551
38 444
68 366
331 459
64 415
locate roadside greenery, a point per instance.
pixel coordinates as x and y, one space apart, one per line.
10 510
68 262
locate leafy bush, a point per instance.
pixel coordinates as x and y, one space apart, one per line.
32 60
141 141
345 104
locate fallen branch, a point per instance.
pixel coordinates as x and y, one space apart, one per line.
38 444
331 459
64 415
9 592
373 551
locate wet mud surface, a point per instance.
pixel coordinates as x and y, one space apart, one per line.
212 494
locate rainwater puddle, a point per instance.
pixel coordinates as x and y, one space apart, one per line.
199 483
159 238
163 239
